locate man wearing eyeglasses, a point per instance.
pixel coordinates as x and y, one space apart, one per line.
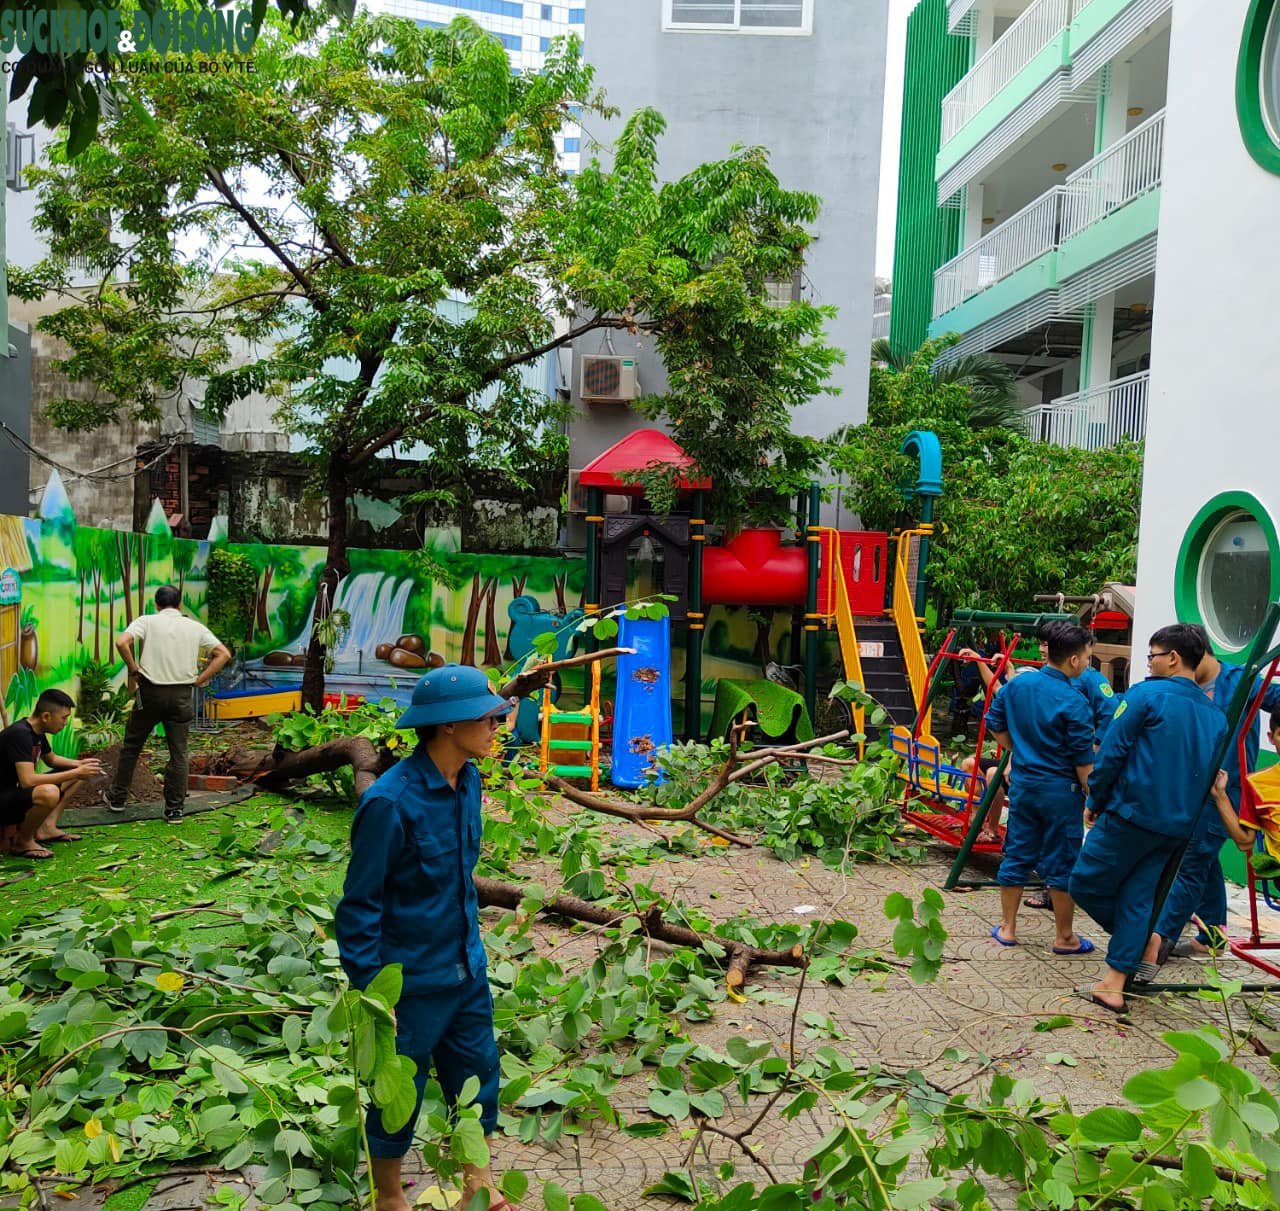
1200 887
409 898
1146 796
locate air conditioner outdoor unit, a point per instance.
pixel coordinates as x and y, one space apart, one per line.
609 378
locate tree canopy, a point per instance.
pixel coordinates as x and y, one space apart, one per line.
1016 517
378 211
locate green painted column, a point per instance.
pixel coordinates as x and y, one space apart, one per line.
813 541
697 621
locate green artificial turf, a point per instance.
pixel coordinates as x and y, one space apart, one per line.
216 855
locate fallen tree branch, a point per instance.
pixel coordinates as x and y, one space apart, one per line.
273 770
740 957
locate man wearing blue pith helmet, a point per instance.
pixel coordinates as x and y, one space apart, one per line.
409 898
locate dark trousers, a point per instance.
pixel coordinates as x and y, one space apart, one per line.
152 705
1199 888
1115 880
451 1029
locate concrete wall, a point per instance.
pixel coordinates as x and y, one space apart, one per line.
816 102
1213 422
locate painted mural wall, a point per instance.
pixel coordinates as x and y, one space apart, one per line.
66 591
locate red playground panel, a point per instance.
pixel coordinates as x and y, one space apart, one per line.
864 560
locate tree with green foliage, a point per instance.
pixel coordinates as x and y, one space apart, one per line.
379 211
72 90
1016 517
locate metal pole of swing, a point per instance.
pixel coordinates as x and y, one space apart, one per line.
697 621
813 541
595 519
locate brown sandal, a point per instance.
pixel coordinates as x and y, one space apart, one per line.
34 853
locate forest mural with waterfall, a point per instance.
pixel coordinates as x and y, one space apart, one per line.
67 590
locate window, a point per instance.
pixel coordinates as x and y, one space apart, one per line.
739 16
1228 569
577 16
501 8
1258 84
573 145
547 14
544 45
778 292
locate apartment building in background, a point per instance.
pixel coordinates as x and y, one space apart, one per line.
1029 200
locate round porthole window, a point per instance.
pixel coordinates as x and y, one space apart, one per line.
1229 570
1258 83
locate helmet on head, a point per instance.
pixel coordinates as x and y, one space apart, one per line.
453 693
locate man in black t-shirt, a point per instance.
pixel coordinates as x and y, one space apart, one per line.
31 803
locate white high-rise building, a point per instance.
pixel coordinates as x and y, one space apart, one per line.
525 28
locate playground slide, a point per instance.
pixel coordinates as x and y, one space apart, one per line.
642 703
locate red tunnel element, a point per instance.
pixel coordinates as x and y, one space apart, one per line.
754 568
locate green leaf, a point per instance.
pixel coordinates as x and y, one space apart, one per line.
81 960
228 1080
673 1183
291 1033
394 1091
387 985
514 1185
1059 1022
1061 1057
1198 1171
1198 1043
1111 1125
915 1194
468 1145
554 1198
272 1190
240 1154
1148 1088
669 1103
1156 1196
1197 1094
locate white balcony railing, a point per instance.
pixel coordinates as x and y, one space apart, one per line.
1031 233
1094 419
1008 55
1126 170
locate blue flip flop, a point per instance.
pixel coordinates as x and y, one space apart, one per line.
1085 948
995 933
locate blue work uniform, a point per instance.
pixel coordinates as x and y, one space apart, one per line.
1200 887
409 898
1052 733
1148 787
1101 698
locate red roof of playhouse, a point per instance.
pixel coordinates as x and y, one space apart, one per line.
636 452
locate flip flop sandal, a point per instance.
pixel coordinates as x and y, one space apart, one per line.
35 853
1146 972
61 837
1085 948
995 933
1120 1011
1039 900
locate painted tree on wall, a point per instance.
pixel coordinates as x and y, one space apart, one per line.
407 257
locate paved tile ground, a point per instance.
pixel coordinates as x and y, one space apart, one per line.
987 1003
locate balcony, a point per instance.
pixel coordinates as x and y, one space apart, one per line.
1014 51
1093 419
1127 170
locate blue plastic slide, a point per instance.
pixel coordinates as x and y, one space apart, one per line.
642 702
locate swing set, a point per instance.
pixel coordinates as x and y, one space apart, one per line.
941 798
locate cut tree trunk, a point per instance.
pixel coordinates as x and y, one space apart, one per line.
336 567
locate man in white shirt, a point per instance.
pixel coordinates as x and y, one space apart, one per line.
164 672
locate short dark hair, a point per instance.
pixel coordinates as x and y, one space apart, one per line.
53 700
1185 638
168 598
1064 640
1274 721
426 733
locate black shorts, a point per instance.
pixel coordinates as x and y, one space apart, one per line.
15 802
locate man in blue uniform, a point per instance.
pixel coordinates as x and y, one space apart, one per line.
409 898
1200 888
1146 795
1099 695
1047 725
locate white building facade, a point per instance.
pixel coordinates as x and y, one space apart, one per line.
1046 177
1208 548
